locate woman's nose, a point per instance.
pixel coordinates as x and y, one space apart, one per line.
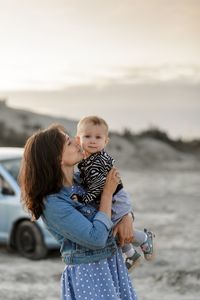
74 141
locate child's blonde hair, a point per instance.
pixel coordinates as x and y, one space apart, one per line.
94 120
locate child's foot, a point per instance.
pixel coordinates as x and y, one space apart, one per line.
132 261
147 246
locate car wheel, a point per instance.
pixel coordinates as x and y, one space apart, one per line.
29 241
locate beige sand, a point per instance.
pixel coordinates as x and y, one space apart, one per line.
166 202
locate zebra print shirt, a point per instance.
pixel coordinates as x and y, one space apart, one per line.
93 172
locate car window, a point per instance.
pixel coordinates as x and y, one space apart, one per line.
12 166
5 188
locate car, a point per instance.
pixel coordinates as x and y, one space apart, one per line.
17 231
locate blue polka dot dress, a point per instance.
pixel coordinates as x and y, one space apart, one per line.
104 280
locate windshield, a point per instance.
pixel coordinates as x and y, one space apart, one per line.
12 166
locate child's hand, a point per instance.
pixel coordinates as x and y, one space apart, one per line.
74 197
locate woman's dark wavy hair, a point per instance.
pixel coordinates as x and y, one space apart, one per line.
40 172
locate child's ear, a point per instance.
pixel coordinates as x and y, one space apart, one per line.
77 138
107 140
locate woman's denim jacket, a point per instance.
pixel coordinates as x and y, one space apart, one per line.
83 233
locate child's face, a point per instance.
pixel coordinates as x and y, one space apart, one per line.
93 138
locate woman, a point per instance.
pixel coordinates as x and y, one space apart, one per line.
94 265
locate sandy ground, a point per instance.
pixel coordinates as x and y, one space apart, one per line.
165 202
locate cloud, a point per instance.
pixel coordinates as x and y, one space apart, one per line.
155 74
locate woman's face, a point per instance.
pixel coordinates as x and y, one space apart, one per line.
72 153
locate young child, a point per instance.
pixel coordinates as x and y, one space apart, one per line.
92 135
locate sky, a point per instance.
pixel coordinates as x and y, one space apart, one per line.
85 46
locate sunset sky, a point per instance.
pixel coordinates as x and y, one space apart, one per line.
61 44
52 44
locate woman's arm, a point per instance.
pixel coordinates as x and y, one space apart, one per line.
68 222
62 217
112 180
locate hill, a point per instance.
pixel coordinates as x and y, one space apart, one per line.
17 124
148 149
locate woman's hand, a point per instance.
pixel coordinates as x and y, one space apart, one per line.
112 180
124 230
